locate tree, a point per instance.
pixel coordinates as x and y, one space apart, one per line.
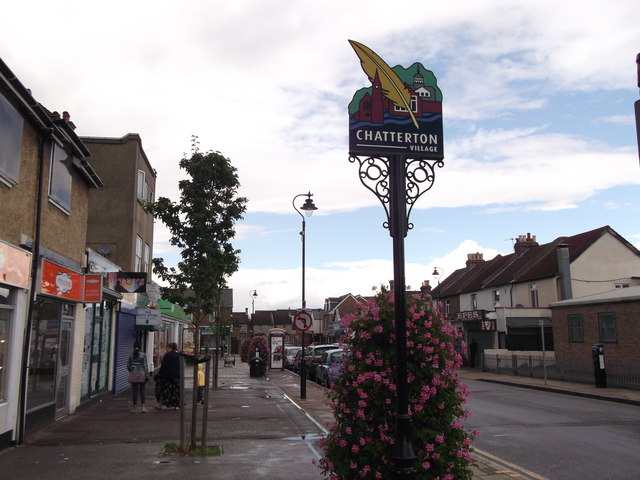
360 442
202 226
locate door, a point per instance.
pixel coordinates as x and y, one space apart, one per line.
62 370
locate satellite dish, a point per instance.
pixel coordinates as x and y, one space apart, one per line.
104 249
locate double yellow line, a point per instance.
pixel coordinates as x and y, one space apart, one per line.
516 470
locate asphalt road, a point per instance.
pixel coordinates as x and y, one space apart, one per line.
557 436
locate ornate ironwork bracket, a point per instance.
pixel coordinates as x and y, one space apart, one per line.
419 176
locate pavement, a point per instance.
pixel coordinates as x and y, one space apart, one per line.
261 425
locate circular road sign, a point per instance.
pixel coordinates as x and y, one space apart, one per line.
302 321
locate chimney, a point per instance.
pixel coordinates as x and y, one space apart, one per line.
474 259
524 242
425 289
65 116
564 271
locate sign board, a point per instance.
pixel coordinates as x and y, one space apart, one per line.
277 350
15 266
131 282
92 292
302 321
148 316
399 114
61 282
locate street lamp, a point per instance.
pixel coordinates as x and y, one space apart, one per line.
308 208
437 275
252 294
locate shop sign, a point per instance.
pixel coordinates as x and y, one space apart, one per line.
92 289
15 265
131 282
61 282
399 114
470 315
148 316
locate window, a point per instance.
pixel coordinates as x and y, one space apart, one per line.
533 290
138 264
575 328
11 123
474 301
621 285
447 306
60 181
149 193
145 260
607 327
141 186
496 296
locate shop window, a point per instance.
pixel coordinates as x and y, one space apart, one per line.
11 124
43 353
607 327
575 328
60 179
6 311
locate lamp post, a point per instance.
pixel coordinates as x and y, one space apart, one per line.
308 208
252 294
437 275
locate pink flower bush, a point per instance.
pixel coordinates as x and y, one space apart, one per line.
363 397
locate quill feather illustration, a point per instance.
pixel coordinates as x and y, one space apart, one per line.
392 86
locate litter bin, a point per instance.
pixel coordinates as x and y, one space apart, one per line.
597 352
256 367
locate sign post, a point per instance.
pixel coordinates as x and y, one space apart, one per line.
302 322
396 125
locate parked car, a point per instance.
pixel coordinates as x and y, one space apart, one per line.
296 361
330 366
289 355
312 357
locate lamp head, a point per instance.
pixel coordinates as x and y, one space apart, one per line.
309 207
435 272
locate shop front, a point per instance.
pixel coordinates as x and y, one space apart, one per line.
15 267
55 321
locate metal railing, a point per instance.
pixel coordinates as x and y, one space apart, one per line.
623 374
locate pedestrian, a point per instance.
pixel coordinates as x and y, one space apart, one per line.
200 385
138 376
167 379
473 350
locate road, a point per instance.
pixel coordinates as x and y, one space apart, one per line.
557 436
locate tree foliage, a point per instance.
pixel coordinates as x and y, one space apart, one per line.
202 225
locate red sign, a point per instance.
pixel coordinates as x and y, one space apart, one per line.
92 289
302 321
14 266
61 282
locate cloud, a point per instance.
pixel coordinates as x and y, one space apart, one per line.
282 288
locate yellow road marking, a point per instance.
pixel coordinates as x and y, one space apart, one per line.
509 464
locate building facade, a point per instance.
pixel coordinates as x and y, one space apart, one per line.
45 180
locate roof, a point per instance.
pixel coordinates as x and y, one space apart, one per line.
42 119
535 262
629 294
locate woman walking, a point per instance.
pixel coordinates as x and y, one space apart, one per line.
138 374
167 388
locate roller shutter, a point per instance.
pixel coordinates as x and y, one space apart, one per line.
125 336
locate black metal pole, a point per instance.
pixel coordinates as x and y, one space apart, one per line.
303 361
403 453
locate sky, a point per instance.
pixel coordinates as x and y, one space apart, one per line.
537 110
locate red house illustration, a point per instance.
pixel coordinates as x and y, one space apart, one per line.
374 106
